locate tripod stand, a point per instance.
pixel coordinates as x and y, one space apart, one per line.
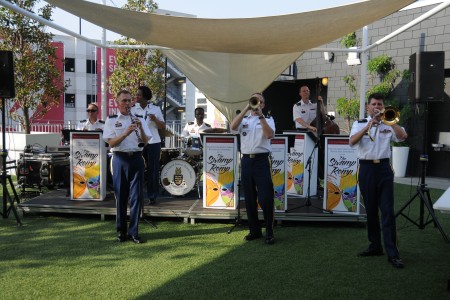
423 193
5 178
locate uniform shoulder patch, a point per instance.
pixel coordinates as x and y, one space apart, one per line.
82 121
112 116
362 121
139 116
190 123
101 121
206 124
298 103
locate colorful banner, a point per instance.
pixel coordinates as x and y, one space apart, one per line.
279 172
111 65
341 165
87 166
296 166
220 172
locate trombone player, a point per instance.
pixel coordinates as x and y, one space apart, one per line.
372 136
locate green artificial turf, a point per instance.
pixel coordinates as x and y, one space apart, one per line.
76 257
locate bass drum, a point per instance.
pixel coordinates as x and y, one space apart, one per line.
179 176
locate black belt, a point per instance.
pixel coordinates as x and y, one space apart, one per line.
256 155
127 154
374 161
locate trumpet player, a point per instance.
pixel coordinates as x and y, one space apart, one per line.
255 131
376 178
124 132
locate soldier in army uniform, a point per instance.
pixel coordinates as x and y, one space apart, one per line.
92 122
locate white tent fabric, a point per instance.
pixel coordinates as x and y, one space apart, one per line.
228 79
228 59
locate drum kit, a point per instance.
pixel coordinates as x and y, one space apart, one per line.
181 167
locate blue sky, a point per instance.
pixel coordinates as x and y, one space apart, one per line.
204 9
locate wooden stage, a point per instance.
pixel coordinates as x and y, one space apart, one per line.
189 208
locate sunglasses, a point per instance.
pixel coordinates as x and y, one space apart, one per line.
91 110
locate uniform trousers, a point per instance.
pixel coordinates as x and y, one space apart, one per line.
256 180
128 181
376 182
152 155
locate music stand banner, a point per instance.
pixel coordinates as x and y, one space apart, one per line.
87 166
219 171
279 172
298 175
341 193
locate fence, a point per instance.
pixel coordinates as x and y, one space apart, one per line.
174 127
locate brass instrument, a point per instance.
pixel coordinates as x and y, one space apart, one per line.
254 103
141 144
389 116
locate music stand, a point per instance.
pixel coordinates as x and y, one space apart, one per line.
237 219
308 166
423 193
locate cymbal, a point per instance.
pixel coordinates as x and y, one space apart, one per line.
215 130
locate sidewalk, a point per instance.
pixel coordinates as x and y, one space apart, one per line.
431 182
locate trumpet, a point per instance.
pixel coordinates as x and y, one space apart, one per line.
141 144
389 116
254 103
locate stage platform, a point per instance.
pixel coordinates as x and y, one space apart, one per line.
189 208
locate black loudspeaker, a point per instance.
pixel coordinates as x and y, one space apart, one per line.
6 75
427 76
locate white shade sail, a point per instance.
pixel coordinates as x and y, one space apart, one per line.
228 59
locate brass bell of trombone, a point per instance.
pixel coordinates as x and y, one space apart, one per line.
390 115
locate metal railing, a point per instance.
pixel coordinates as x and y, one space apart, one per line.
175 127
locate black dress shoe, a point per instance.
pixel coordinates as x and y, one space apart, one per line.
270 240
121 237
136 239
396 262
370 252
252 236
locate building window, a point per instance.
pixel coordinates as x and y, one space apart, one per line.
69 64
91 99
69 100
91 66
201 101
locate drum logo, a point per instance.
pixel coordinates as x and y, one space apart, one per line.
178 176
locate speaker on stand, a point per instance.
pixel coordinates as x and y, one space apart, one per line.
7 91
427 76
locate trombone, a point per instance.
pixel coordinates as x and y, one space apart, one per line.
389 116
